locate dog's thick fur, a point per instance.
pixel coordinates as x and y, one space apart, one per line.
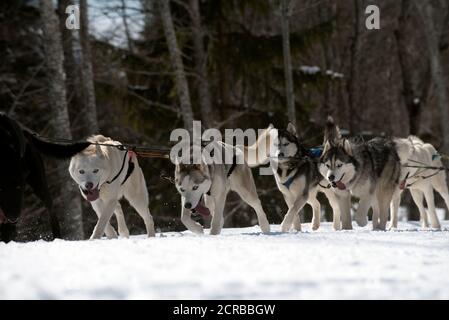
414 152
370 170
94 170
298 178
211 182
22 164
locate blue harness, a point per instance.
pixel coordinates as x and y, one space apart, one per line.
289 181
315 153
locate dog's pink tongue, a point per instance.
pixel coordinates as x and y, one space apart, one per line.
202 210
340 185
93 195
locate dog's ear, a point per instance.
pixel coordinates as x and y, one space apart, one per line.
291 128
326 147
331 132
98 151
347 147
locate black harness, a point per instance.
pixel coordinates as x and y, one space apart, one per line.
234 164
131 167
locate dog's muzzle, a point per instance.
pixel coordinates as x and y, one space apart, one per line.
339 184
200 209
91 194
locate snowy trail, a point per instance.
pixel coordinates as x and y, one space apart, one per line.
410 263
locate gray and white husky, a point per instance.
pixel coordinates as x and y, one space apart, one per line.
106 174
298 178
413 154
211 183
369 170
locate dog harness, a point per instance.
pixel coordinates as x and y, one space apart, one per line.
289 181
316 152
234 164
131 166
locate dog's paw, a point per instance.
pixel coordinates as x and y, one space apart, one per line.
392 227
285 227
265 228
361 221
124 234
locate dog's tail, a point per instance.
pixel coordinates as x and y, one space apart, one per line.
259 153
55 149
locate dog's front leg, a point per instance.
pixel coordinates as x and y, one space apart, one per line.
361 215
104 215
217 215
394 208
345 210
288 219
189 223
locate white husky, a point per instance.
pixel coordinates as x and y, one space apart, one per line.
106 174
421 182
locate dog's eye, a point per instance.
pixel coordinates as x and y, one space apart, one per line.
328 166
195 188
96 171
285 144
81 171
181 189
339 165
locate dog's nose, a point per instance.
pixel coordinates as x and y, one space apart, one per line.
89 186
188 205
331 177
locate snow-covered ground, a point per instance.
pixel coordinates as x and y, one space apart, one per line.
239 264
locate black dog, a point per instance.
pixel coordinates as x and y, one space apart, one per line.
21 163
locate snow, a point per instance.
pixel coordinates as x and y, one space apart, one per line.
410 263
310 69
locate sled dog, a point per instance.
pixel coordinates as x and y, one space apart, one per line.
203 187
297 176
369 170
106 174
414 152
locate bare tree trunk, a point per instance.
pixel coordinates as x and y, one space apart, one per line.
126 26
201 64
433 47
290 93
78 67
176 61
68 205
412 104
354 53
87 75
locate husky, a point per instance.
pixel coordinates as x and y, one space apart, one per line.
105 173
369 170
203 187
297 176
414 153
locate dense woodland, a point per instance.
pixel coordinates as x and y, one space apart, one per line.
229 63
